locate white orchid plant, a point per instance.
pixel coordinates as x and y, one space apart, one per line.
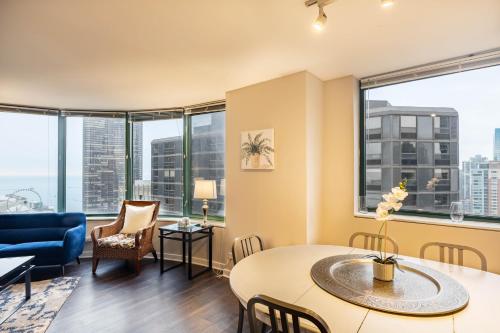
393 202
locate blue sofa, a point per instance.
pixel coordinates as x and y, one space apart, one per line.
54 239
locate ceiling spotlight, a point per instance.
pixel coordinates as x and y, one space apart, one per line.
387 3
320 21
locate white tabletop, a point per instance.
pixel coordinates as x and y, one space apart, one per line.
284 273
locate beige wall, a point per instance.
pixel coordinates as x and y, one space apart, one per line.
268 203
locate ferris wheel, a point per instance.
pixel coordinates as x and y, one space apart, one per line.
16 200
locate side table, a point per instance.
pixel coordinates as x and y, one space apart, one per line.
186 235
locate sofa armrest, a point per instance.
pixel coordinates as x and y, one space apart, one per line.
73 242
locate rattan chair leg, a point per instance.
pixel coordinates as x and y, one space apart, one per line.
95 262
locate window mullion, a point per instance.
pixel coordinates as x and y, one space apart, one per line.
186 166
129 181
61 163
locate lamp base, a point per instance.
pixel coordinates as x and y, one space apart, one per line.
205 212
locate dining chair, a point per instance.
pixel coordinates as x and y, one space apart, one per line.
244 246
452 248
289 315
373 241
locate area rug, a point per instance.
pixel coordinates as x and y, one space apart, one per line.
34 316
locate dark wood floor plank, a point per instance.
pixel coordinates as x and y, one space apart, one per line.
116 300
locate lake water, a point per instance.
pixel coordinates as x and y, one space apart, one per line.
46 187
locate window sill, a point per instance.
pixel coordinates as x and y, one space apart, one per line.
480 225
161 220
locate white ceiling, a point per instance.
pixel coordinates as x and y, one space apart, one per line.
162 53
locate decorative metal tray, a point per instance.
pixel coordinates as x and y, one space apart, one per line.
417 291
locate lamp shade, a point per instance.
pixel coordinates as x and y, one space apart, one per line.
205 189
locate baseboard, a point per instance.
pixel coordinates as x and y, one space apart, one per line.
178 258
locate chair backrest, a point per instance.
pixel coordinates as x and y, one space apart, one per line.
141 203
452 248
286 312
373 241
246 245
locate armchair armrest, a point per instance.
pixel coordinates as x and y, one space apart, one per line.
144 234
104 231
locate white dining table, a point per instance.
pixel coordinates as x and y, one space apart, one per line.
284 273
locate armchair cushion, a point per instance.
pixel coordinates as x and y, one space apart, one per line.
118 241
137 218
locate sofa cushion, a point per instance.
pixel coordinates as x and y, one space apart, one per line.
49 249
118 241
137 218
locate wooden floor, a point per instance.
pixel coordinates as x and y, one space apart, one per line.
115 300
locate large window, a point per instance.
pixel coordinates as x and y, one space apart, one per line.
28 162
442 135
91 161
157 165
95 164
207 158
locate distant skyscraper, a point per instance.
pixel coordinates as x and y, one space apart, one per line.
137 150
103 164
419 144
496 145
166 174
493 188
207 157
474 191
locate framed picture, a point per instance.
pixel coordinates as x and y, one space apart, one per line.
257 150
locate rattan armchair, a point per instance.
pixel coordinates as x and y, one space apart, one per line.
130 247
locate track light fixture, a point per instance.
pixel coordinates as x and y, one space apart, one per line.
387 3
320 21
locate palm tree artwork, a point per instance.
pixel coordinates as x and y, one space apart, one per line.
257 149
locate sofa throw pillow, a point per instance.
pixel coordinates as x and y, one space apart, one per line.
137 218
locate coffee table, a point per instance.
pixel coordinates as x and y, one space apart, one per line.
12 270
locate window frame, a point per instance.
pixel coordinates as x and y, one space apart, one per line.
61 153
361 190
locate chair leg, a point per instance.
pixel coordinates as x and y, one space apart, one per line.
263 328
241 318
62 270
137 266
78 260
95 262
154 255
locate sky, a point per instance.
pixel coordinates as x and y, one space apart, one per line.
474 94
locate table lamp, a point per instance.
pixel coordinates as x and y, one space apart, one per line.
205 189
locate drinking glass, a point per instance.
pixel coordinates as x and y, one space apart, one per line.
457 211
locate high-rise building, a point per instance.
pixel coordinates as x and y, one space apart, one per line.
419 144
207 157
103 164
137 150
493 188
166 174
474 185
496 145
